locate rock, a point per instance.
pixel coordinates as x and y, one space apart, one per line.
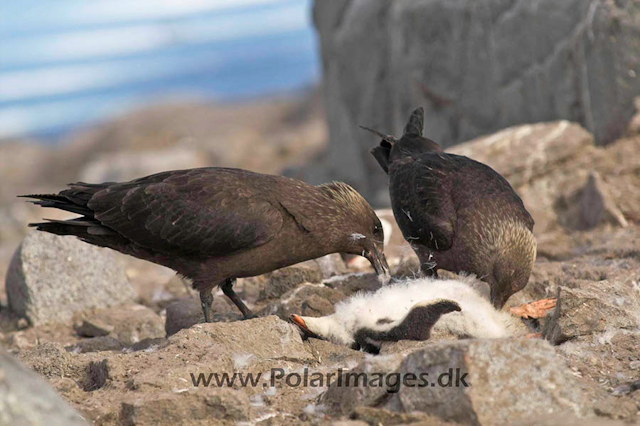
380 416
96 344
598 294
128 324
597 205
335 355
187 311
343 399
178 287
277 338
474 69
353 283
468 382
148 344
506 380
52 277
22 324
183 313
282 280
19 341
596 307
254 346
93 327
403 346
193 407
627 388
349 423
308 299
566 419
26 399
155 285
48 359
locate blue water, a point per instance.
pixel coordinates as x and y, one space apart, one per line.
71 63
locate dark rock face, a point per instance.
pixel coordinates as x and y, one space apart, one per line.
476 66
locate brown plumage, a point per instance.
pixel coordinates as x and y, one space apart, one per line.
458 214
214 225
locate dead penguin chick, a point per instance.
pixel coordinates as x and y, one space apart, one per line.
411 310
458 214
214 225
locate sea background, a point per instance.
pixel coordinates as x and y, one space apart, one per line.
72 63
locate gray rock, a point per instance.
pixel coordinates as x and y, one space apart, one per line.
380 416
307 299
128 324
345 398
93 328
26 399
596 307
187 311
405 346
96 344
334 355
268 338
353 283
183 313
507 380
194 407
52 277
285 279
566 419
476 67
148 344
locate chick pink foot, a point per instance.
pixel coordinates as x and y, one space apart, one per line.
536 309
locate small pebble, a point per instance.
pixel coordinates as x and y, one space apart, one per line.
22 324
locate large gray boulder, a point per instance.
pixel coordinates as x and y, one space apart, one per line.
473 382
476 66
52 277
26 399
